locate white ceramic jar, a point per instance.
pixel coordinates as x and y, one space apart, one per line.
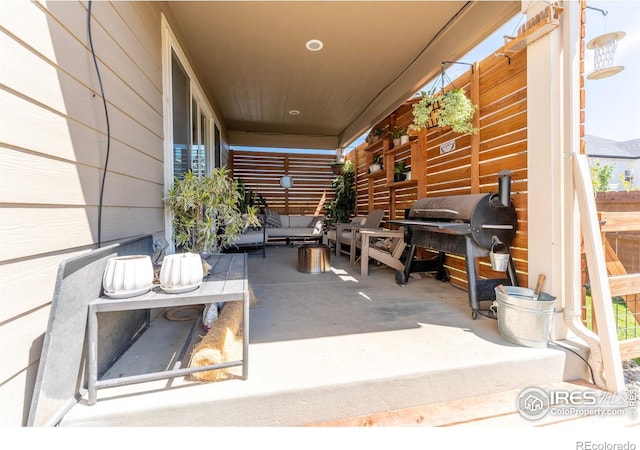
181 272
127 276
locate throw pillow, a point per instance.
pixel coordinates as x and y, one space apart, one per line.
272 219
317 224
314 222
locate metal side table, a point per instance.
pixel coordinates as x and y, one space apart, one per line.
227 282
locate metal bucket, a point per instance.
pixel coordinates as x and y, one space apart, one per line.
499 260
522 320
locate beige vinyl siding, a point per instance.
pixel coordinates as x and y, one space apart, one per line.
52 150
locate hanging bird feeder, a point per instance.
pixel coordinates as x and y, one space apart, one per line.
604 61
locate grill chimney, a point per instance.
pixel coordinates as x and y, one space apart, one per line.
504 187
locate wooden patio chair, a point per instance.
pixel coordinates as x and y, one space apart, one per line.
385 246
344 234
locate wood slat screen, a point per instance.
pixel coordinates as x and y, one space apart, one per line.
499 86
261 172
619 217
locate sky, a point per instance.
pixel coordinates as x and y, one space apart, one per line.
613 104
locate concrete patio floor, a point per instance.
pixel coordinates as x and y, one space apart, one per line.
329 346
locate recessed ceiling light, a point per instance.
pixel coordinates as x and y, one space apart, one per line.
294 112
314 45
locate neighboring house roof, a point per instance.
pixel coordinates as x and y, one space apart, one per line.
597 147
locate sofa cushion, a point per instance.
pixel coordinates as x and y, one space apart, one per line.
299 221
285 221
272 219
250 237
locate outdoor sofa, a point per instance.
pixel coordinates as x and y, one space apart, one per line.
281 227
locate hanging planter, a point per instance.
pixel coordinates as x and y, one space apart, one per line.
337 167
451 109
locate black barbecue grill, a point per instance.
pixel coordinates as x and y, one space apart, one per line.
465 225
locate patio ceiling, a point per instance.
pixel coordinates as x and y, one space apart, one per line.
253 65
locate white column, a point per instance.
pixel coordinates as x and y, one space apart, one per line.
550 63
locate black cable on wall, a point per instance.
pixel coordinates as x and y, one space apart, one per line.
106 114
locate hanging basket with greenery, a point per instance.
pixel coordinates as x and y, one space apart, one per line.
449 109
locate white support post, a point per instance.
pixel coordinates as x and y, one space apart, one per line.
599 280
546 163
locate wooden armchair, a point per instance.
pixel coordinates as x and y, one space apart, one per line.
345 234
385 246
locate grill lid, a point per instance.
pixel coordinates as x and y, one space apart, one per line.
458 208
483 216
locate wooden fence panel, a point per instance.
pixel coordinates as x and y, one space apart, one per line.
472 166
312 178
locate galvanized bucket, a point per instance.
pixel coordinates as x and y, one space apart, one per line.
499 258
522 320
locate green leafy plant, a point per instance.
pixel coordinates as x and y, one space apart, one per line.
378 132
601 176
400 171
250 198
342 208
453 108
206 211
400 167
399 132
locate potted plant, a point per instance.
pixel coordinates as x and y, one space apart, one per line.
400 171
377 164
397 135
344 205
453 109
206 213
375 135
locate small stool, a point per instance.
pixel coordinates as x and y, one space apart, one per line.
314 258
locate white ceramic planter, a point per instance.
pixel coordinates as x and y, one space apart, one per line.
373 168
404 139
127 276
181 272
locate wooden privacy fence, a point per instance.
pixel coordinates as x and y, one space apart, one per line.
443 162
312 177
619 218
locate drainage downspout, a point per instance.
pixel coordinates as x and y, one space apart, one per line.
572 41
572 318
